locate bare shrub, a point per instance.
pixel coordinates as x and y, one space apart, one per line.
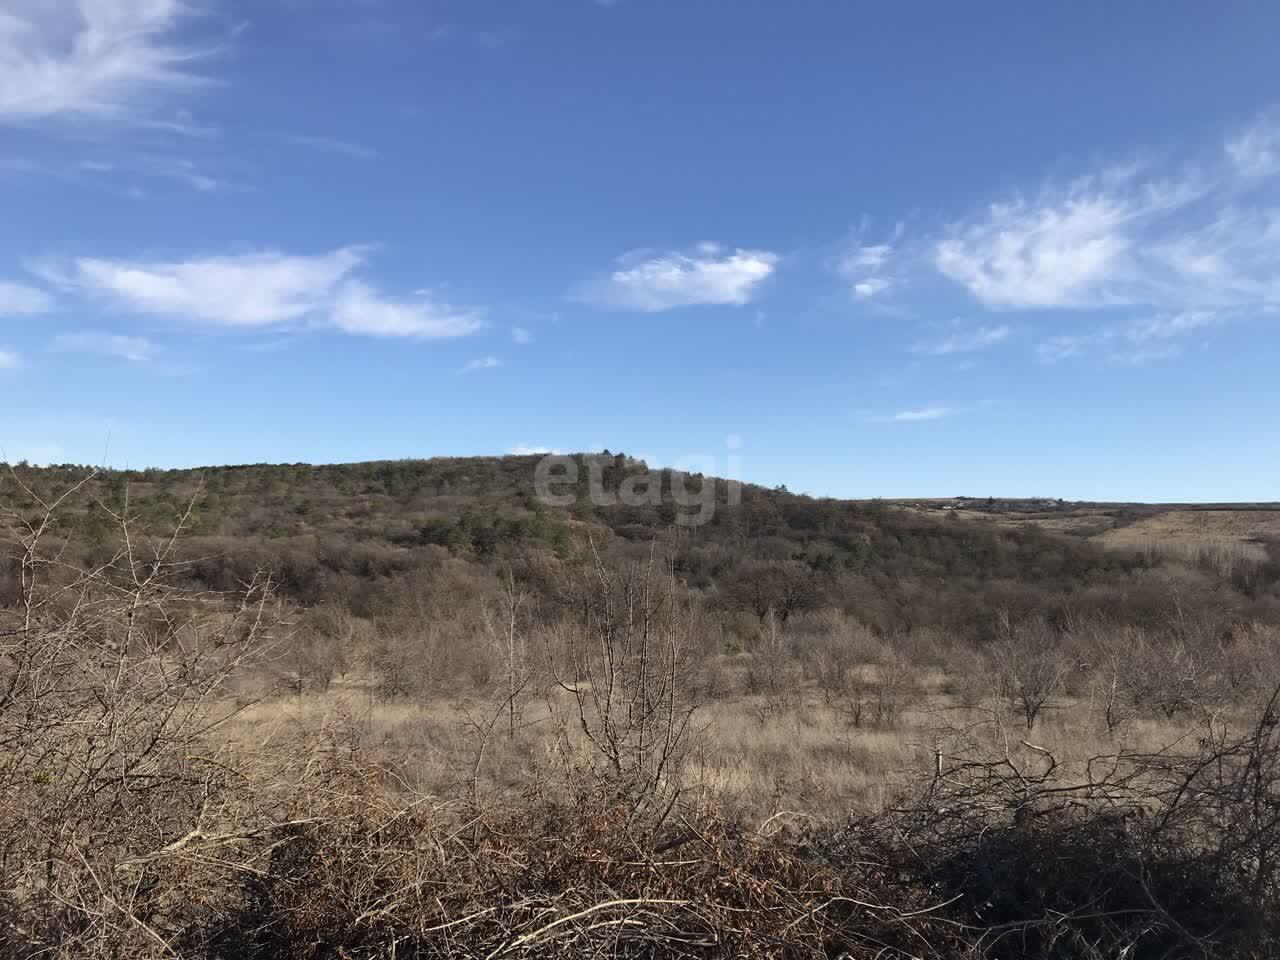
626 667
402 665
507 628
970 677
1175 676
831 649
892 688
111 680
774 674
1114 685
1127 854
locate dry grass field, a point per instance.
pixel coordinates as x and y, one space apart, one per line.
805 758
1196 526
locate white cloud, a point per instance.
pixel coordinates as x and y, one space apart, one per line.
967 341
867 267
17 300
872 287
359 308
1135 236
137 349
1255 151
178 169
654 282
154 167
521 335
1135 342
91 58
529 450
924 413
1067 346
1168 326
181 170
252 290
1072 246
481 363
1230 260
265 290
9 360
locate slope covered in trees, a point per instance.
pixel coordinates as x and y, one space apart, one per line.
366 535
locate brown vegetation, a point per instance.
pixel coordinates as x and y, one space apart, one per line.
602 748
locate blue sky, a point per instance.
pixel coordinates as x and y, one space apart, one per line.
859 249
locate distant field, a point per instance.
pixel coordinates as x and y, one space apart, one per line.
1198 526
1243 529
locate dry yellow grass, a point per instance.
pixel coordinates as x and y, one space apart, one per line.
1197 526
806 760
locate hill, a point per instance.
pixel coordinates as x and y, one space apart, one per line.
513 702
366 534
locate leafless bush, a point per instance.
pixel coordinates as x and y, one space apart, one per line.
970 677
774 673
1173 676
507 628
1249 659
632 684
402 665
1130 854
893 689
110 682
831 650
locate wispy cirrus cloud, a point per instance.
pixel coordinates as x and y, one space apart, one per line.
966 340
1134 342
101 59
19 300
708 275
346 148
1077 245
869 267
177 169
1138 236
1255 150
9 360
921 413
263 290
482 363
136 349
1180 248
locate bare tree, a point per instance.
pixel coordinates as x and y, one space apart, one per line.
1112 662
507 629
1030 667
779 588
